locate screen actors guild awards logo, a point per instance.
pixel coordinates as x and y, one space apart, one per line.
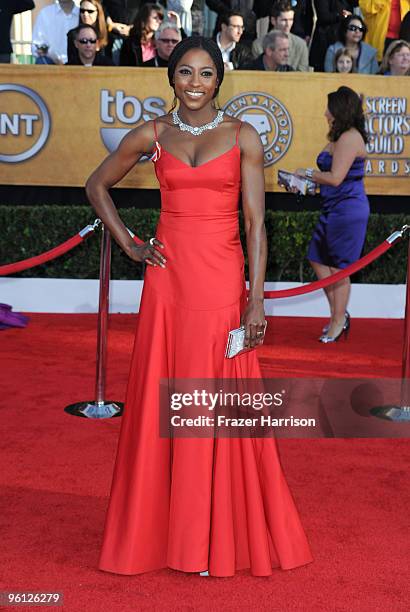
269 117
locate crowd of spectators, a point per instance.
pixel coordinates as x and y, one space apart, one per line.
362 36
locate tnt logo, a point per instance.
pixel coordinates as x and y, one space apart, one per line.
270 119
24 123
119 108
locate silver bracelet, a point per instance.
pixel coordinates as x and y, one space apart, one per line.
309 173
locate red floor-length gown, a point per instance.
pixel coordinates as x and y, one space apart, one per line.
195 504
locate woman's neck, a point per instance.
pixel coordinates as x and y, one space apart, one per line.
199 117
399 72
147 35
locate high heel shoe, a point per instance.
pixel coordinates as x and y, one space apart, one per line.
345 330
327 327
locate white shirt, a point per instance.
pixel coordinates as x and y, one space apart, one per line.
51 27
226 53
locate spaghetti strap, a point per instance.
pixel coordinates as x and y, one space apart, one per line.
237 132
157 147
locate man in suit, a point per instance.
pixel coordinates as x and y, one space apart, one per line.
9 8
282 15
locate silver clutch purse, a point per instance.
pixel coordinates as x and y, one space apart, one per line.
236 342
304 186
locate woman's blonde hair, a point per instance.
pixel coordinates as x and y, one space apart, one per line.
391 50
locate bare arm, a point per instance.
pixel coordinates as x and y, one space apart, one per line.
253 201
110 172
349 146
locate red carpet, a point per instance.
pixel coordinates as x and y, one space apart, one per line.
353 495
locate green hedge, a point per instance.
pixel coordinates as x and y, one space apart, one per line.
28 231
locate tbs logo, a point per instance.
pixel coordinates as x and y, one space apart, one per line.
118 108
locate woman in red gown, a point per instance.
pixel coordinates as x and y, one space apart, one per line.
195 504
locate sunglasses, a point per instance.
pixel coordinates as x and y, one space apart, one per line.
89 11
355 28
169 41
84 41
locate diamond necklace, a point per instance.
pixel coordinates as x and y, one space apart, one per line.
197 131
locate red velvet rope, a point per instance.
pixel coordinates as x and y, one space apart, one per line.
333 278
325 282
282 293
24 264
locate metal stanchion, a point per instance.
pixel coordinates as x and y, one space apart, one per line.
100 408
401 412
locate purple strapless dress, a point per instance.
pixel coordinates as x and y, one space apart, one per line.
339 236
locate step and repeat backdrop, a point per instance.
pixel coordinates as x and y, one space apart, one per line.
58 123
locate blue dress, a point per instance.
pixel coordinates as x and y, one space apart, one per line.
339 236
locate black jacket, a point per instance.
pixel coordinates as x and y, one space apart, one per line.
155 62
259 65
240 55
329 16
100 60
9 8
131 53
122 11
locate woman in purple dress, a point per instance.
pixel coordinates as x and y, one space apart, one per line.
339 236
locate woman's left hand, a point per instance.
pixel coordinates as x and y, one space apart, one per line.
253 319
301 172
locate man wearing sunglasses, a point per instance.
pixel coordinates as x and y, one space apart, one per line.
166 37
50 30
85 41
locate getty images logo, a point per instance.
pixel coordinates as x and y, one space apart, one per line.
22 134
116 107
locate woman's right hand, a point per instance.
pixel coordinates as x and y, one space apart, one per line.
147 253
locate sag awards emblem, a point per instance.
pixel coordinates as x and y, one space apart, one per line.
269 117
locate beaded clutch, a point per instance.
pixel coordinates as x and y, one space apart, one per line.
236 342
304 186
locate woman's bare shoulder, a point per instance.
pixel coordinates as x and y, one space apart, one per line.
352 138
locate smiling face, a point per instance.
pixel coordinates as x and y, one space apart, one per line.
344 63
195 79
399 61
88 13
354 32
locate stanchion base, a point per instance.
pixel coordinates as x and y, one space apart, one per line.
95 410
392 413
